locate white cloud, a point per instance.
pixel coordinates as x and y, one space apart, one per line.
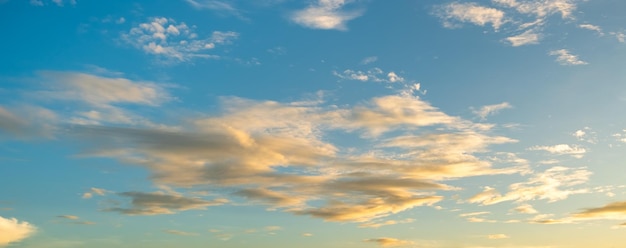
553 185
92 191
13 230
487 110
591 27
528 37
541 8
497 236
565 57
369 60
561 149
621 37
325 14
219 6
473 13
174 42
525 209
373 75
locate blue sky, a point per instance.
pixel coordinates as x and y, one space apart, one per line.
322 123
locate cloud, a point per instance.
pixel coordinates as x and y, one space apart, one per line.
99 98
473 13
565 57
172 42
385 223
59 3
528 37
553 185
280 154
101 91
97 191
325 14
272 228
372 75
27 122
243 148
561 149
525 209
161 203
180 233
591 27
389 242
621 37
541 8
271 197
69 217
487 110
14 230
369 60
611 211
307 234
497 236
476 217
218 6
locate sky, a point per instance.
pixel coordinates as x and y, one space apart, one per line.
313 123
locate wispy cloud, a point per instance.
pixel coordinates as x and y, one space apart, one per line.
13 230
59 3
98 98
69 217
528 37
472 13
561 149
525 209
621 37
541 8
215 5
369 60
161 203
386 223
174 42
389 242
325 14
180 233
372 75
497 236
92 191
591 27
565 57
487 110
554 184
611 211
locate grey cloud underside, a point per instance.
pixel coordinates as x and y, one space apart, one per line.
161 203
